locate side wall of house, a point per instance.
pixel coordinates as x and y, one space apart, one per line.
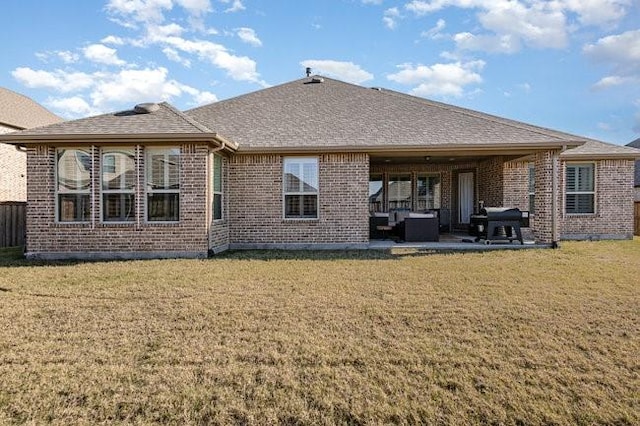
47 238
219 229
613 217
256 217
491 180
614 200
13 164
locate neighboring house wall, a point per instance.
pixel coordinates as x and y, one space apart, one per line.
13 163
256 203
187 238
613 217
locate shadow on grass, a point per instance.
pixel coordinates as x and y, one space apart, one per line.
267 255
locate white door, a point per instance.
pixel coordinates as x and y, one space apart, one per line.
465 197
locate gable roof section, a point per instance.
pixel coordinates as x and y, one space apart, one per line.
307 115
21 112
164 124
594 149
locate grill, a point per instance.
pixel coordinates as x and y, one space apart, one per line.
497 224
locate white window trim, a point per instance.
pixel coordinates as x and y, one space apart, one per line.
314 160
107 151
88 191
594 192
213 188
147 164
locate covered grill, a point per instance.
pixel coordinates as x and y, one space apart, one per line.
497 223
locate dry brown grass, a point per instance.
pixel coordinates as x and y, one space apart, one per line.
523 338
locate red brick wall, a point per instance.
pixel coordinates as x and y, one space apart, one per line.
613 216
256 202
46 238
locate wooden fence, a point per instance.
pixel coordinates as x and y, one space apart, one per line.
12 223
636 215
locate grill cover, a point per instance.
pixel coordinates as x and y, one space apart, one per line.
501 213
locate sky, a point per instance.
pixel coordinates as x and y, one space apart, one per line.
569 65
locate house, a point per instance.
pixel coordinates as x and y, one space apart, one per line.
636 144
303 165
17 112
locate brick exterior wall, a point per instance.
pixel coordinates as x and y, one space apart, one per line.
491 181
613 216
13 163
256 203
48 239
219 229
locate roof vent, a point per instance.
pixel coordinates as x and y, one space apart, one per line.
308 71
379 89
317 80
146 108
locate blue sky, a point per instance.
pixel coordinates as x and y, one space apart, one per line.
571 65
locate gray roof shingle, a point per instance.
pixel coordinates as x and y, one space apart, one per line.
21 112
334 114
166 120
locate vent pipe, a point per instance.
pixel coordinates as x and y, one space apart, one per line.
308 71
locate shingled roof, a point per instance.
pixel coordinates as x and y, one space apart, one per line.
163 122
320 113
21 112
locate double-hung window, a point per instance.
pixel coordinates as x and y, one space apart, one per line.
580 188
163 184
300 188
217 186
73 185
118 169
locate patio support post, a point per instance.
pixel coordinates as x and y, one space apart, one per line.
547 197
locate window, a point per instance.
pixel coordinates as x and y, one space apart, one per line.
428 192
163 184
376 202
580 188
532 188
73 186
301 188
118 183
217 187
399 192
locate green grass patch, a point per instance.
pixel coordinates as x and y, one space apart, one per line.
524 337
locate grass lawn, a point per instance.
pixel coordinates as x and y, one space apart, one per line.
517 337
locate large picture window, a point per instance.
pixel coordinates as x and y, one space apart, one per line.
300 188
163 184
217 186
580 188
73 185
118 169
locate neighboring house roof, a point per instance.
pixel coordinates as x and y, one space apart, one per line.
636 144
321 113
21 112
164 122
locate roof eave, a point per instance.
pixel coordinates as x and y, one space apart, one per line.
603 156
90 139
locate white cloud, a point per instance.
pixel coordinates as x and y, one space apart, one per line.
236 6
111 39
347 71
621 53
158 32
249 36
73 107
174 56
147 11
57 80
390 18
196 7
372 1
535 23
434 33
439 79
102 54
525 87
203 98
239 68
65 56
487 43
